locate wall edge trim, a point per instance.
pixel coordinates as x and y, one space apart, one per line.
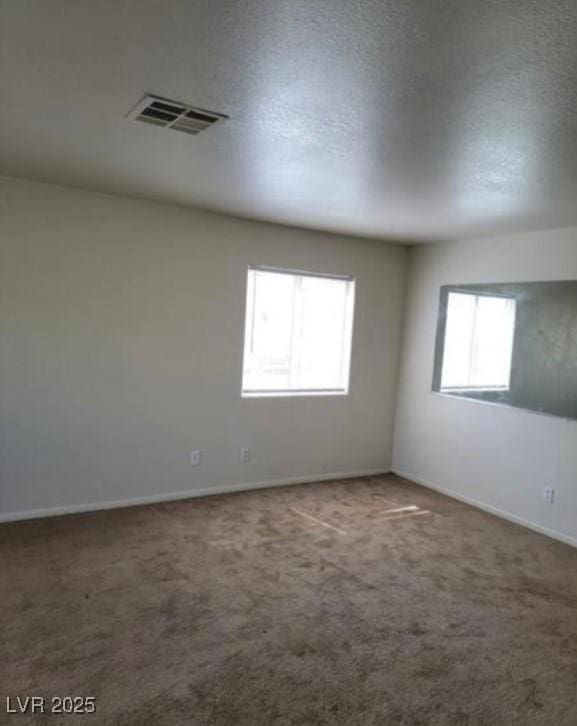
21 515
553 534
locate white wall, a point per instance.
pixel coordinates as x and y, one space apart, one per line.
499 457
121 328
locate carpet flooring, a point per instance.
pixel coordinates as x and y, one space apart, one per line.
354 603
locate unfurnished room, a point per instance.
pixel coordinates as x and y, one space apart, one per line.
288 362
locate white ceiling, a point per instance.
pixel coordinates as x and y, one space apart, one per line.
408 119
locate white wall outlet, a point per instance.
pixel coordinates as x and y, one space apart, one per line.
549 495
244 455
195 457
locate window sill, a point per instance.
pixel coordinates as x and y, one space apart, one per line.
476 389
292 394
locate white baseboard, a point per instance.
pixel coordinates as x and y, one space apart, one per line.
187 494
566 539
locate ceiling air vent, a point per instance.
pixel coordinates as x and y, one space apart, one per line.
172 115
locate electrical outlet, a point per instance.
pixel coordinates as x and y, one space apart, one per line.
549 495
195 457
244 455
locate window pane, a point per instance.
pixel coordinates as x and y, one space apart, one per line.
268 330
458 340
478 341
297 333
493 342
322 316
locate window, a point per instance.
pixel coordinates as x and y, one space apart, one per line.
478 342
298 333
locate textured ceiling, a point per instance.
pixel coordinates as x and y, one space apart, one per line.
406 119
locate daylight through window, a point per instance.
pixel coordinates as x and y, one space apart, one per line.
478 342
298 333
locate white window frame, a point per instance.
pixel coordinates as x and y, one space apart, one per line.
347 339
470 387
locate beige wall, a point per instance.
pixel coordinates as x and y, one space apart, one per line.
501 458
121 347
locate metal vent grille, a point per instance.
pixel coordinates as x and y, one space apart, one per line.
173 115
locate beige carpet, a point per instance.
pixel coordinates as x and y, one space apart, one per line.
362 602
